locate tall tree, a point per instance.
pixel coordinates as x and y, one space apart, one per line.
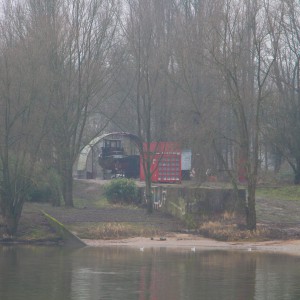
193 77
284 126
245 60
145 34
22 117
79 36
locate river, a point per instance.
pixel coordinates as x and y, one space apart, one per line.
98 273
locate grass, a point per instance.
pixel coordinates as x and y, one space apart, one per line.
91 196
289 192
100 202
230 227
280 192
112 230
39 234
233 232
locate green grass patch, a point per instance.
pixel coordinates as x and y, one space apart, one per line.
289 192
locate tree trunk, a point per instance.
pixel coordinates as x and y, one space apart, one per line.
149 198
68 189
297 177
251 212
297 172
11 222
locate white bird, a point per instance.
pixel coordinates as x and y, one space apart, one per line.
249 249
193 249
142 249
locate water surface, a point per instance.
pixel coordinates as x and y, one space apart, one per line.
42 273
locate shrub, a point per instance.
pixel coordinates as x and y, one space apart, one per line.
121 191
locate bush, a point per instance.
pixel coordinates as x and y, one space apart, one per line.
121 191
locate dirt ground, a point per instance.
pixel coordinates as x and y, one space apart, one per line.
188 242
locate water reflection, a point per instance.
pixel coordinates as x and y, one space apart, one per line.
155 274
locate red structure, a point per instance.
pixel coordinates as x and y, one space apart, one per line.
166 162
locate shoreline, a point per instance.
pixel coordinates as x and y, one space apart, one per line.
189 242
178 243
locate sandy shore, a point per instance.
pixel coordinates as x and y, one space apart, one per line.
189 242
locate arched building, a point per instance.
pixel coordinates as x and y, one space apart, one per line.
111 154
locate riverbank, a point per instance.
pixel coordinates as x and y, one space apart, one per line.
99 223
35 230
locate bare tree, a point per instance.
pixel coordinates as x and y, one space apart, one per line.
79 36
284 126
245 60
193 76
22 119
145 33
